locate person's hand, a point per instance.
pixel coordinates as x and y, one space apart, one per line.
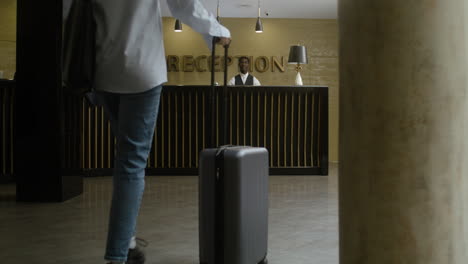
223 41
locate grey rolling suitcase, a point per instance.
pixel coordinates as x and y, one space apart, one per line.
233 205
233 199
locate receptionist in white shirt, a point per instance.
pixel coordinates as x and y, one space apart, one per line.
244 77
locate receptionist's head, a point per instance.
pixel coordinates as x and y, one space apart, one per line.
244 65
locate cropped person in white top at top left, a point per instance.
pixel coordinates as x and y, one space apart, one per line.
130 71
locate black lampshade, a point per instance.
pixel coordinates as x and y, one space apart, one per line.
298 54
259 26
178 26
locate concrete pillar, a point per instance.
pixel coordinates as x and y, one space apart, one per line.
403 175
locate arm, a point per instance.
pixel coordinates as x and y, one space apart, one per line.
256 82
194 14
232 82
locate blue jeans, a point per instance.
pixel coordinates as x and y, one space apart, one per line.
133 119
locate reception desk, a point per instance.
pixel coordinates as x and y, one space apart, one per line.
290 121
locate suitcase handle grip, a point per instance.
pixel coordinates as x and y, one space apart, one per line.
217 39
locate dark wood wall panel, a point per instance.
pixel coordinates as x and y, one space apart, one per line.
6 130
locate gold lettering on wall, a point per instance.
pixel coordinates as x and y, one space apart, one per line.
262 64
217 63
188 63
172 63
276 63
229 62
198 65
202 63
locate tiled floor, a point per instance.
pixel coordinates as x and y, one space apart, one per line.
303 223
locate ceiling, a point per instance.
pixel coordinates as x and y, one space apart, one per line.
325 9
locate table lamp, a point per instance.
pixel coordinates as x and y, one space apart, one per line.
298 54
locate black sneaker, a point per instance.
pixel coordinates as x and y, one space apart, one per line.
137 255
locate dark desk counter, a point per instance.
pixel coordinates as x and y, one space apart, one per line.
290 121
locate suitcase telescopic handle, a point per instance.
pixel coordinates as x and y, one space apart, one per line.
226 49
213 56
223 99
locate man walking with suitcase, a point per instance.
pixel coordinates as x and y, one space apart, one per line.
130 71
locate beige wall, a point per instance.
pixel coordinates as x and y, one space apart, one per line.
8 38
320 37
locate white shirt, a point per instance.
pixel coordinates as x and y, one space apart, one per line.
130 54
232 82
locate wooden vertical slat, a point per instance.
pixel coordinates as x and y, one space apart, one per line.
278 132
169 135
204 120
231 127
176 132
258 120
291 133
109 156
196 129
299 130
88 166
245 123
315 131
237 113
163 128
4 118
12 139
183 131
271 132
285 139
190 129
102 137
